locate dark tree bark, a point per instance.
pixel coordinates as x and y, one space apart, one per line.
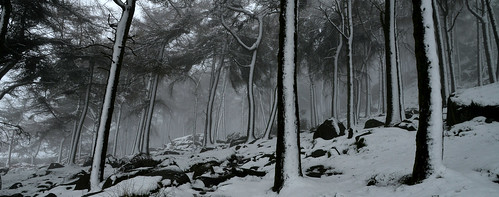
288 165
392 89
77 133
429 137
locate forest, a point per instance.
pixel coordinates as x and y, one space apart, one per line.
249 98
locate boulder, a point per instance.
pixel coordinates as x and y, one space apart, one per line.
373 123
16 185
342 128
318 153
470 103
177 177
54 166
328 130
116 178
319 170
203 168
83 182
407 125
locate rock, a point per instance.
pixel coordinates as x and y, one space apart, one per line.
4 170
411 112
328 130
318 153
470 103
319 170
177 177
213 181
198 185
243 172
407 125
83 182
202 168
51 195
16 185
116 178
54 166
237 141
373 123
350 133
342 128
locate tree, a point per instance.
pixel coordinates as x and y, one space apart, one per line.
429 137
493 23
4 21
288 162
486 39
253 49
121 36
392 88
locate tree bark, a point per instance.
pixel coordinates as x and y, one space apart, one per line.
392 89
208 127
61 145
150 113
429 137
350 111
288 162
486 38
493 23
83 115
273 113
121 35
4 22
440 49
118 121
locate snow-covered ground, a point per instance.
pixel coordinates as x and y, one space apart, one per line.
387 158
485 95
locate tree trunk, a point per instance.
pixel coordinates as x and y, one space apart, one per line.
77 134
288 163
138 137
450 54
61 145
251 101
121 35
440 51
11 148
273 112
118 121
4 22
152 100
486 40
478 54
493 23
334 104
429 137
400 83
368 96
208 127
350 111
392 88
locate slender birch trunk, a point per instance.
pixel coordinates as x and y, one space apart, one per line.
121 35
440 49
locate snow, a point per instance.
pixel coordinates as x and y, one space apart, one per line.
483 95
470 157
140 185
